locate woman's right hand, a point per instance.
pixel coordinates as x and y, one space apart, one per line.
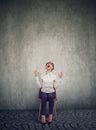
36 73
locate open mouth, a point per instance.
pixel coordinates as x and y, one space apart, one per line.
48 66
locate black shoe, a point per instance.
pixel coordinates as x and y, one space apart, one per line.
49 122
44 123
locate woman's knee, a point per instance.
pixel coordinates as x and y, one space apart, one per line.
43 96
51 96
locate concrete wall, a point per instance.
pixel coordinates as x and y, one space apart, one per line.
34 32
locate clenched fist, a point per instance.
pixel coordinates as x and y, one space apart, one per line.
36 73
60 75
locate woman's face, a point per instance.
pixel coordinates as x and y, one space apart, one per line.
49 67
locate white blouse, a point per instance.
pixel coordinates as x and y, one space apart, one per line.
48 82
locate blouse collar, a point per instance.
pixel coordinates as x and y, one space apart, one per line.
49 73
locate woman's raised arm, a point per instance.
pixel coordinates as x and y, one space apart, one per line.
36 73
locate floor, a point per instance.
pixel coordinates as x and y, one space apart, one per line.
67 120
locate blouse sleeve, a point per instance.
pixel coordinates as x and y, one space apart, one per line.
57 82
38 81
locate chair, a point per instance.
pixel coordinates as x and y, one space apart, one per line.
54 108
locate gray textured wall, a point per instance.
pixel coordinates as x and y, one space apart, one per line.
34 32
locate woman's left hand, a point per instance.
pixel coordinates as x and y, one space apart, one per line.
60 75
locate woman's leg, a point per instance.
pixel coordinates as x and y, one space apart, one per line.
43 106
51 105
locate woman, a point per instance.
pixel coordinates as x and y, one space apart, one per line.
48 84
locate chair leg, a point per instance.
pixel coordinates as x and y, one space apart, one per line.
54 111
39 111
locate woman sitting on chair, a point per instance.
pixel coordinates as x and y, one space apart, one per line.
48 86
